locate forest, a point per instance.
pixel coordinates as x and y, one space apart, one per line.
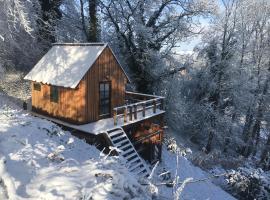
217 96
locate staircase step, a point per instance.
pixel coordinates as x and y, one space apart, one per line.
141 171
121 143
125 147
134 161
115 133
119 138
144 173
128 151
131 156
139 164
114 129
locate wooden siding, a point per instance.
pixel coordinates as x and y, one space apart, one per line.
81 105
106 68
70 106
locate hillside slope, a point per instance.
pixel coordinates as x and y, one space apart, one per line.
38 160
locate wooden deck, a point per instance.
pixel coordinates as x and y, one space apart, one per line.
102 125
138 107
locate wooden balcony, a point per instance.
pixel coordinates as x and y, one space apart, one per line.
137 107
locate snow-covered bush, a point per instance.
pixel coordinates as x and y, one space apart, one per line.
249 183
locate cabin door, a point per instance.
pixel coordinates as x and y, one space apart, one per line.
104 99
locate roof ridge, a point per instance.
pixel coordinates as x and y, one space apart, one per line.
81 44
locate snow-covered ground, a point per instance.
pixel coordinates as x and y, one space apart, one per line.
201 188
38 160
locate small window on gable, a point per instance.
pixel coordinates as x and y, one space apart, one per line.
54 94
37 86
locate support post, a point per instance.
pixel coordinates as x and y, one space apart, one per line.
115 117
130 113
135 111
143 112
161 104
154 106
125 115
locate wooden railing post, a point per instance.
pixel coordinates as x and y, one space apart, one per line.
125 115
143 111
154 106
130 113
135 111
115 117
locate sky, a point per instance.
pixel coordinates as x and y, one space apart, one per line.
187 47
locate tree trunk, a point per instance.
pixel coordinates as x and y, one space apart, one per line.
265 156
248 123
83 18
254 134
93 31
208 146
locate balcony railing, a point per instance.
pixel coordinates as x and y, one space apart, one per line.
138 106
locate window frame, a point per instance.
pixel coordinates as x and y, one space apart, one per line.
37 86
106 96
54 94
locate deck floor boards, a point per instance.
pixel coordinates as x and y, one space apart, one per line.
102 125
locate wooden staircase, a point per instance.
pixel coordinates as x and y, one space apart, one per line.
120 140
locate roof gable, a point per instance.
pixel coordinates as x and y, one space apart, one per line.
66 64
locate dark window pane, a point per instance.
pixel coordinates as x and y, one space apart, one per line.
106 94
107 87
37 86
54 94
104 98
101 87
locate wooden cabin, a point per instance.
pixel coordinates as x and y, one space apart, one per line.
78 83
83 86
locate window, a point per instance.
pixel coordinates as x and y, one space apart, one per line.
54 94
37 86
104 99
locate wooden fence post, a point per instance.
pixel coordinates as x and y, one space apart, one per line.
115 117
125 115
130 113
135 111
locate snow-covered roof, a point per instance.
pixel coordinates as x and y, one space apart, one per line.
65 64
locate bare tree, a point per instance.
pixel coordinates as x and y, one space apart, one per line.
148 30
